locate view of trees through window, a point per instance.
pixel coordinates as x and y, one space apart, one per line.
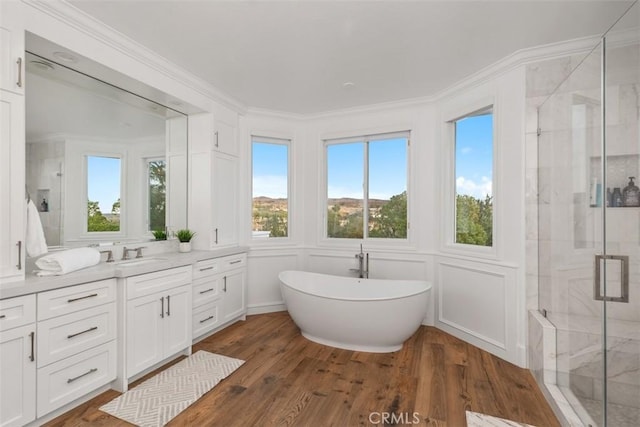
367 184
270 187
157 175
103 191
473 174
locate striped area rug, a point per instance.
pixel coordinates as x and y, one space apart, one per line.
162 397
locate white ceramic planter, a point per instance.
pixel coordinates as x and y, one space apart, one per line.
184 247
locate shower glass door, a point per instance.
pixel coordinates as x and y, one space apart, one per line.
621 325
589 226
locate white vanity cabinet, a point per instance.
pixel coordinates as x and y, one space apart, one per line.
12 47
12 148
17 361
12 186
76 344
158 317
219 293
225 200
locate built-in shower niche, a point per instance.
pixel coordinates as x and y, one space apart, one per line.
42 199
619 169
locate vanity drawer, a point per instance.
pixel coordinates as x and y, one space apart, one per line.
64 336
205 268
233 261
67 380
147 284
205 318
75 298
205 290
17 311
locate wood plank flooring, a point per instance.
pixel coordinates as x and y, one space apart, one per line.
290 381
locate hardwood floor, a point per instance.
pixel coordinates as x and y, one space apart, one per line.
288 380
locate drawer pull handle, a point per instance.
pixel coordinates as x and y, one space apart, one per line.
225 284
83 332
162 307
207 268
168 305
236 261
19 264
2 316
32 356
19 82
80 298
208 318
206 290
90 371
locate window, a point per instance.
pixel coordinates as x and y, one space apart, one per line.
270 210
156 194
103 193
473 166
367 187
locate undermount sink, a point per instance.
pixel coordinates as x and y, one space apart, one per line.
139 261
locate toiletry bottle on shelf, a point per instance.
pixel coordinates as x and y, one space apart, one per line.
616 198
631 194
593 192
609 197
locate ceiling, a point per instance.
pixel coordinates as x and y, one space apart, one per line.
296 56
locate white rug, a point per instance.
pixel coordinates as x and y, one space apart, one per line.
160 398
475 419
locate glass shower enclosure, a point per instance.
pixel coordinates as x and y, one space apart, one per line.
589 227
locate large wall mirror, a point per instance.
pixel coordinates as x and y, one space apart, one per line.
103 164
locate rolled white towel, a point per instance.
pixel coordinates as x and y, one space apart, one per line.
64 262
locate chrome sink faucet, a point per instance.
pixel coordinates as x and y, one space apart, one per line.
138 251
109 255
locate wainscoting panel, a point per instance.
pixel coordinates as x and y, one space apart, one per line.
476 302
264 285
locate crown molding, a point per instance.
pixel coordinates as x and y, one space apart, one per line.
97 30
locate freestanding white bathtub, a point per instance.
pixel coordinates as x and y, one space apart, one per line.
355 314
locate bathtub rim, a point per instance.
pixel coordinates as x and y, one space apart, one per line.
427 288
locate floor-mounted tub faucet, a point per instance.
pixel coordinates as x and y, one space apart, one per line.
363 264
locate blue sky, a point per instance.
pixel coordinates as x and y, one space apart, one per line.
270 170
474 156
103 178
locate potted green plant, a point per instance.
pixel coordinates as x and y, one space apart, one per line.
184 236
160 234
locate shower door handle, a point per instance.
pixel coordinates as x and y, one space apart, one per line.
624 278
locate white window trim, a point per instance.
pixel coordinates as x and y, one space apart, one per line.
377 242
448 220
279 140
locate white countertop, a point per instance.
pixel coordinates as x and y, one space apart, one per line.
104 270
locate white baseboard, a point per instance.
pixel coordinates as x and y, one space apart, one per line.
270 307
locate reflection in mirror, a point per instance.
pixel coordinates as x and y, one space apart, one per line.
109 166
103 190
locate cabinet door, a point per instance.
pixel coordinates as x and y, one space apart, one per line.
145 320
177 320
225 200
234 295
225 137
18 373
11 47
12 189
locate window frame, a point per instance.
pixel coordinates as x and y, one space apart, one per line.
448 233
288 143
365 139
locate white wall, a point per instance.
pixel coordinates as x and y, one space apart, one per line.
477 298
